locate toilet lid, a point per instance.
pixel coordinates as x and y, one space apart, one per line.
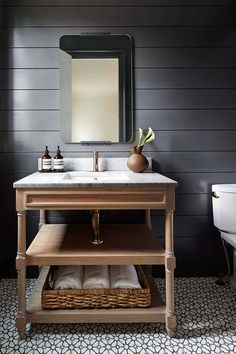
228 188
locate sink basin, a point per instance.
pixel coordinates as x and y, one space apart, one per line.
87 176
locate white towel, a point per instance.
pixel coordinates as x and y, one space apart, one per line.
96 276
68 277
124 276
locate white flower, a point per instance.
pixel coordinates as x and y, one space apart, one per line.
150 136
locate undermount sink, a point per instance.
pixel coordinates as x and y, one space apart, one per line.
89 176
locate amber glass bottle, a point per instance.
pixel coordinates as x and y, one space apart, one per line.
58 161
46 161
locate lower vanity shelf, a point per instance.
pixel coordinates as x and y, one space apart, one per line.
57 244
35 314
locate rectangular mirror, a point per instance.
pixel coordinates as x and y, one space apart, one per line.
96 104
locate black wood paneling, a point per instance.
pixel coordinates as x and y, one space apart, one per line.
185 71
215 140
164 162
149 78
39 3
150 36
170 119
29 120
145 99
118 16
48 58
191 119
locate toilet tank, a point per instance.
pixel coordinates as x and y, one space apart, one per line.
224 207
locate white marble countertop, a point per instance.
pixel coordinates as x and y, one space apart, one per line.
78 174
108 179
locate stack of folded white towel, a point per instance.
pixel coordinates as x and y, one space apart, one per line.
96 277
68 277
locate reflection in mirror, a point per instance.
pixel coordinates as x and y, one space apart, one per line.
95 100
96 89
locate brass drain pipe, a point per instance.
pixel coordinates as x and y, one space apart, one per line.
97 237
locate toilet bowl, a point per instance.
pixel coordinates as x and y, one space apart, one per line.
224 216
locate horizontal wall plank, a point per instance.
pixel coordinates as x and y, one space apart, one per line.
8 224
216 140
29 120
39 3
186 119
29 99
219 140
185 99
7 180
29 58
143 78
163 162
117 16
143 36
7 208
185 78
193 204
157 119
196 256
29 79
185 57
184 226
201 182
143 57
145 99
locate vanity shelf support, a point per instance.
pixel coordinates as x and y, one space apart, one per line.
169 270
21 273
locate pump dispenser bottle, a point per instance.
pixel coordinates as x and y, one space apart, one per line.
46 161
58 161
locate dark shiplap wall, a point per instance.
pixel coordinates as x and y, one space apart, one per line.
185 89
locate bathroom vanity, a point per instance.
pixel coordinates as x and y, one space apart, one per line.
57 244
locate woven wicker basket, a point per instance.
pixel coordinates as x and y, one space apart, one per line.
96 298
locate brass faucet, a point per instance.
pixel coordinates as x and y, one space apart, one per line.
95 161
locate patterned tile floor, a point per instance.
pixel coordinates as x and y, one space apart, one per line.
206 323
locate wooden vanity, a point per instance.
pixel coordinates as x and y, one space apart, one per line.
57 244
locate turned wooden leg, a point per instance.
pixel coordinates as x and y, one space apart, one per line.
169 269
21 271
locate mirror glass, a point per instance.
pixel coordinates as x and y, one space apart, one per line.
96 89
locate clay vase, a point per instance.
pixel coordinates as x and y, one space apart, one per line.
137 162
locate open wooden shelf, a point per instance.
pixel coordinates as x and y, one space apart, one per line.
35 314
57 244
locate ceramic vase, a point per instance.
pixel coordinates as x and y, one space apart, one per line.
137 162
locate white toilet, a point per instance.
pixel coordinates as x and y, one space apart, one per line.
224 216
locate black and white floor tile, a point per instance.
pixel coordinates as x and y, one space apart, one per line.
206 323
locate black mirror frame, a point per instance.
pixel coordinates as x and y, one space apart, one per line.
102 45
